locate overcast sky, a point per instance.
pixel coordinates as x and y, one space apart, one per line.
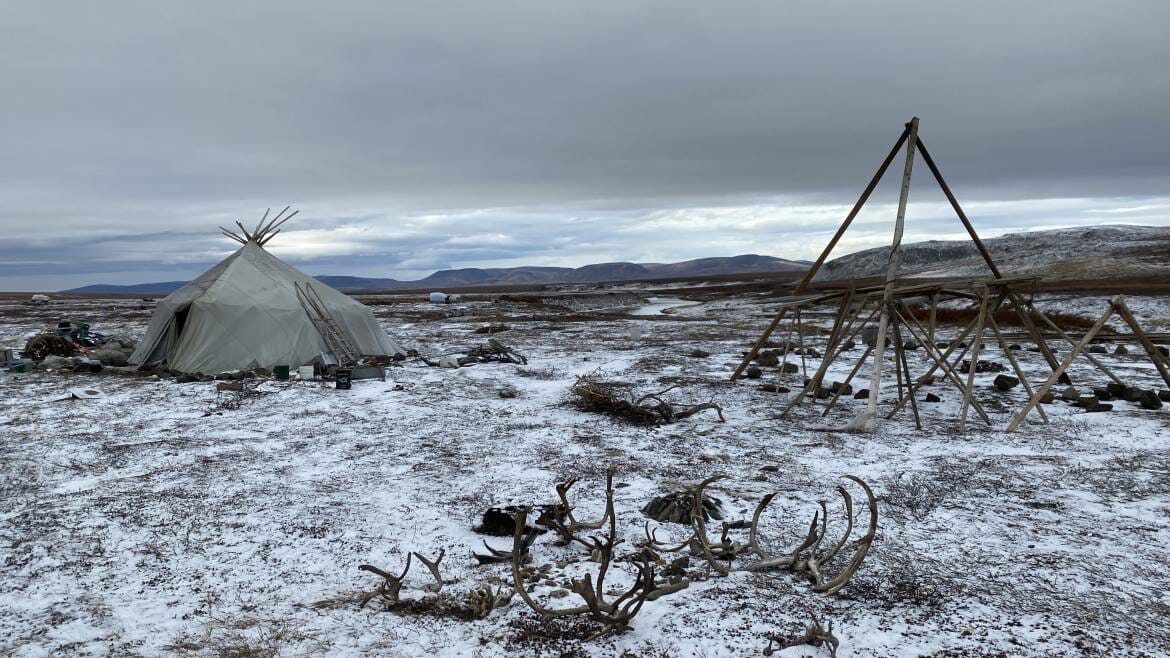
416 136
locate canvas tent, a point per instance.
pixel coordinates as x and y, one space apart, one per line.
245 313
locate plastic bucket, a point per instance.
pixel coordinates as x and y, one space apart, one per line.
280 372
305 372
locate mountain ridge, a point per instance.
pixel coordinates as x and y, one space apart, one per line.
474 276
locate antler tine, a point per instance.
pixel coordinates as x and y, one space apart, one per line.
848 500
652 539
862 544
699 524
753 531
433 566
520 519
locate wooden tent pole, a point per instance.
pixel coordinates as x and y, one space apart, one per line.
1151 349
816 266
891 275
1047 385
974 361
946 189
1003 346
831 354
1061 332
909 382
947 369
852 374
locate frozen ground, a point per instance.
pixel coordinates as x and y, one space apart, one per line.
157 521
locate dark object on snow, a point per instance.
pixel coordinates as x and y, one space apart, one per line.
843 389
983 366
1096 349
1116 390
1088 402
1121 350
698 354
493 350
492 329
1099 407
862 394
596 396
1164 395
343 379
754 372
768 358
507 392
1048 398
676 508
849 344
909 346
38 347
1064 378
931 397
280 373
823 393
790 368
1006 382
869 336
773 388
1015 347
1070 394
500 521
1150 400
1103 394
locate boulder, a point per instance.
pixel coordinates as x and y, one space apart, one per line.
1121 350
1103 393
1070 394
1006 382
862 394
1100 407
1096 349
790 368
823 393
909 346
849 344
222 387
754 372
1047 398
1150 400
1164 395
843 389
1115 389
1088 401
931 397
768 358
1015 347
773 388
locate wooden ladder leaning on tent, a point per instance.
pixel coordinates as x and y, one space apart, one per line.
326 325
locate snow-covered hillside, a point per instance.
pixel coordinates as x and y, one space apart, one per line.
1075 253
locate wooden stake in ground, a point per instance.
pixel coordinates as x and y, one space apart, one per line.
1007 352
1052 379
974 361
1160 360
891 275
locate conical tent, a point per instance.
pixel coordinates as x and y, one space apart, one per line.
245 313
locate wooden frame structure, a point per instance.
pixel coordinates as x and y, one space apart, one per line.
892 303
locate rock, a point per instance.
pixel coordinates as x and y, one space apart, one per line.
186 379
926 380
1150 400
1096 349
698 354
862 394
770 468
1070 394
1015 347
790 368
773 388
1047 398
1064 379
1102 393
507 392
54 362
112 356
823 393
849 344
1088 401
1006 382
1100 407
768 358
223 387
910 346
810 352
1164 395
843 389
931 397
1121 350
1116 390
754 372
1132 394
869 336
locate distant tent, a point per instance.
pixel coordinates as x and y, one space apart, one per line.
246 313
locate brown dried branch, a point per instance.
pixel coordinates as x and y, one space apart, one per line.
650 409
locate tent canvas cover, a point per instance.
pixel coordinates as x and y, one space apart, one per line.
244 313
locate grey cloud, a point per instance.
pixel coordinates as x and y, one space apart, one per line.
129 118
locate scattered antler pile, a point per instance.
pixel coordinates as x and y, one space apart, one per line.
808 559
589 394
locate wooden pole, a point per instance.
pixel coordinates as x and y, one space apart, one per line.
978 343
1026 319
1048 321
1052 379
906 370
945 355
946 189
816 266
891 275
1151 349
933 316
831 354
941 364
852 374
1003 346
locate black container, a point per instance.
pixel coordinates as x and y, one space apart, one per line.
344 378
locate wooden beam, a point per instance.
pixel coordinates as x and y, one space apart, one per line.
946 189
1151 349
1007 352
974 361
1052 379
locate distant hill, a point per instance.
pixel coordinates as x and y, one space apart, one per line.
1077 253
474 276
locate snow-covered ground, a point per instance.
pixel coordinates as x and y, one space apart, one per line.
159 521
